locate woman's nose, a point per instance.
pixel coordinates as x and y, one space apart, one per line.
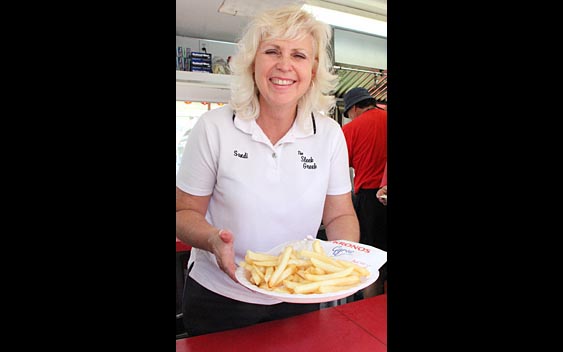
284 63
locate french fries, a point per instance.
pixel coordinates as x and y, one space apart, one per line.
302 271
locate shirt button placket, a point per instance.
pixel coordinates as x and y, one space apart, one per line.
276 157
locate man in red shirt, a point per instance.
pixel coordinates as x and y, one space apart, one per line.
366 138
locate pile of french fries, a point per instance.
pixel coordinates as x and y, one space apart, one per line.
302 271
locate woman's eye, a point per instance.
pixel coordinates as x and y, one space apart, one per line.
271 52
300 56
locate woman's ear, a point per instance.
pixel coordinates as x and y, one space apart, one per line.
315 67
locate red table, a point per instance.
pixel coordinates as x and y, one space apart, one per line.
182 256
353 327
370 314
181 246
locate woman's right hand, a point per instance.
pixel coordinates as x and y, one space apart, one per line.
222 246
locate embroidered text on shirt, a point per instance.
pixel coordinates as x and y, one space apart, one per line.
241 155
308 162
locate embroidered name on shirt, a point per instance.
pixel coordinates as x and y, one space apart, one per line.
241 155
308 162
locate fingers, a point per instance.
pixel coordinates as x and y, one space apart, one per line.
231 272
225 254
226 236
382 195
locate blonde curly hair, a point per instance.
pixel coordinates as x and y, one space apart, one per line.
285 23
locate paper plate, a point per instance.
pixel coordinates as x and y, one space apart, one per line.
363 255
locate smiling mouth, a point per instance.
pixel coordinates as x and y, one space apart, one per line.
282 82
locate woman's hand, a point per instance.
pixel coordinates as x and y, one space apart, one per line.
382 195
222 246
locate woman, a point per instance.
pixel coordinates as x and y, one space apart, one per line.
263 170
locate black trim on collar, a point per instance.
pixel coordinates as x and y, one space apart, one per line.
314 125
233 116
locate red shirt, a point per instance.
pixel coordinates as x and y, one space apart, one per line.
366 138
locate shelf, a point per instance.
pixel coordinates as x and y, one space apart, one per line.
203 86
204 79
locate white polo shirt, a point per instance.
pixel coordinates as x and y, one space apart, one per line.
265 194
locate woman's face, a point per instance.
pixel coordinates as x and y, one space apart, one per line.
283 70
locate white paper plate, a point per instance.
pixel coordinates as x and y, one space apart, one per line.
366 256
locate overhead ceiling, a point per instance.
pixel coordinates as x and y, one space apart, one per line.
202 19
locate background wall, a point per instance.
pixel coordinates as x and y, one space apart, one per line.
217 48
349 48
360 49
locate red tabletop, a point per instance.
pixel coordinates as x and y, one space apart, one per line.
181 246
371 317
358 326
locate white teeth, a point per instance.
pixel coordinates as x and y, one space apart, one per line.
283 82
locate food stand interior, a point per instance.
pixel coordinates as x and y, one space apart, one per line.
360 60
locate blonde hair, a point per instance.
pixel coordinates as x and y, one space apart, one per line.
286 23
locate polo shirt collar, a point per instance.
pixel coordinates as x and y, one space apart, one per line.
302 128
